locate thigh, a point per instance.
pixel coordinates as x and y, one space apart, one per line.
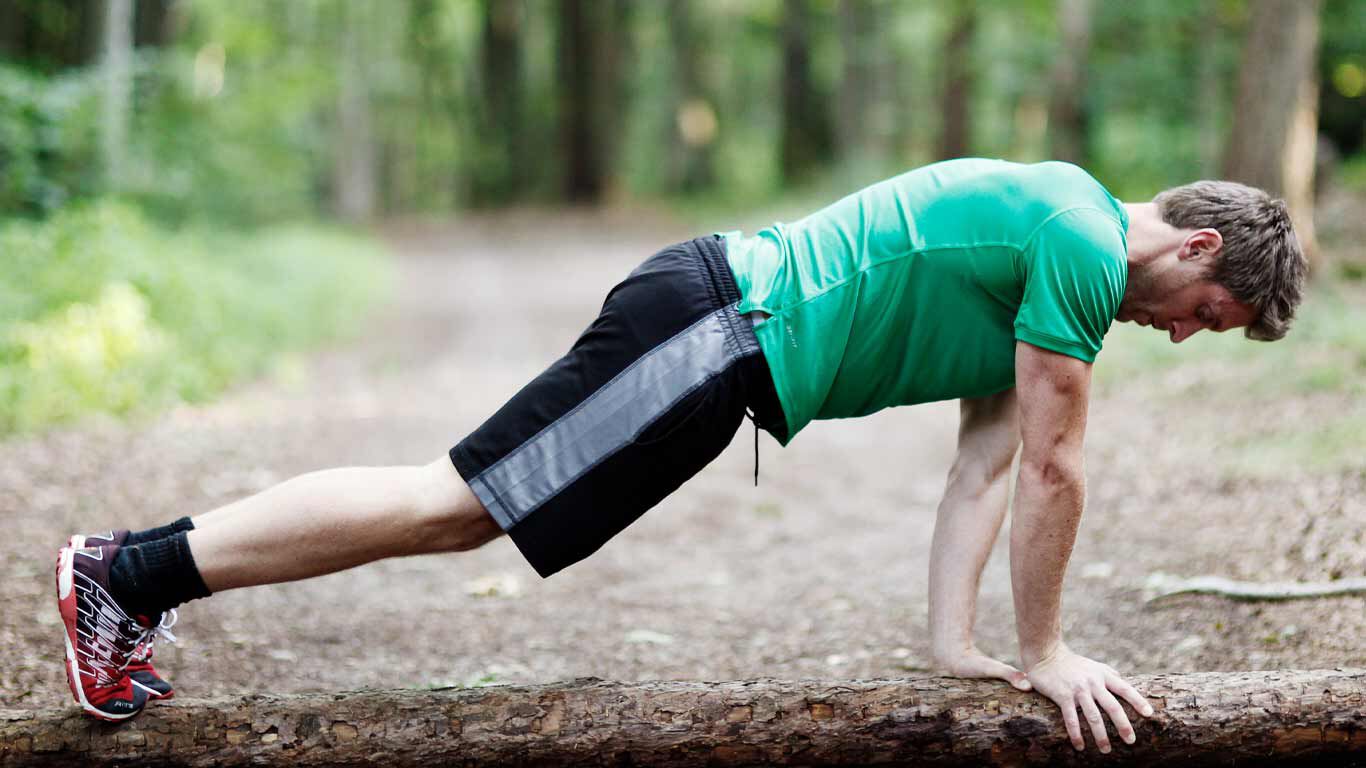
646 397
585 514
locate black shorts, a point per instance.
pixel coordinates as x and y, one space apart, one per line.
648 396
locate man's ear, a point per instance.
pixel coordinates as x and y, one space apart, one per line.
1202 244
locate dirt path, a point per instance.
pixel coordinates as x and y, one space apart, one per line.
819 572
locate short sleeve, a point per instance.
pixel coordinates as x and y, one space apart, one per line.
1075 269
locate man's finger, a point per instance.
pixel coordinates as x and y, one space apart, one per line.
1008 673
1094 719
985 666
1112 708
1069 721
1130 694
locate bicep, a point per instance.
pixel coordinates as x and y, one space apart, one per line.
1053 392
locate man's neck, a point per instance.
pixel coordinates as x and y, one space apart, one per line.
1149 237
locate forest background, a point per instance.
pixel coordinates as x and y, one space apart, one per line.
184 184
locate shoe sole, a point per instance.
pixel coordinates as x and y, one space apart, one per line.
66 605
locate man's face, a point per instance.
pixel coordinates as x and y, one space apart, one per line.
1184 311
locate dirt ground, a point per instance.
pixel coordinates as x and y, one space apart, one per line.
820 571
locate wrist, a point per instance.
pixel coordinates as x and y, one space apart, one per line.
949 652
949 645
1032 656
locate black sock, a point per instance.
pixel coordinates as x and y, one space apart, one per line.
151 577
152 534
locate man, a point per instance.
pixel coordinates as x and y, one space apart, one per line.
983 280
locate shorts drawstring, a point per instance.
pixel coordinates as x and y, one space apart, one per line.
750 413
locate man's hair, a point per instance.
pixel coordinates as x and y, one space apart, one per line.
1261 262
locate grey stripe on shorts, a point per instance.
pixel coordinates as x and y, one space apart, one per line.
611 418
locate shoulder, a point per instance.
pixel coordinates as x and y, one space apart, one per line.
1083 229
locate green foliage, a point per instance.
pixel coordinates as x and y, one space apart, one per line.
235 112
243 152
47 139
104 311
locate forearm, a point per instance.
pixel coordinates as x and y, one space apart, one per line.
1049 499
964 532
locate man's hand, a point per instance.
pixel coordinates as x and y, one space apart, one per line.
1073 681
972 663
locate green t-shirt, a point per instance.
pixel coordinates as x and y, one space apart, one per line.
916 288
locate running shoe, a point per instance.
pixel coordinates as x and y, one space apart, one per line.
140 669
100 636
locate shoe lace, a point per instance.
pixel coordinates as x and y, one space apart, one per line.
148 637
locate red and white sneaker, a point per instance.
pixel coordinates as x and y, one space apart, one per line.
139 669
100 637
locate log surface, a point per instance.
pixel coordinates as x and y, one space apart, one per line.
1253 718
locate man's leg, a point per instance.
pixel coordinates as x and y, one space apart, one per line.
334 519
112 594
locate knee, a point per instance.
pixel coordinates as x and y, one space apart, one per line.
454 519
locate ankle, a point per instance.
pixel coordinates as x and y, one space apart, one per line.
154 576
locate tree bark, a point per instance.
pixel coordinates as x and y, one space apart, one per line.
1254 718
1276 112
955 109
1068 121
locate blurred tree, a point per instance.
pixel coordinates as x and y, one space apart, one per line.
862 82
51 35
1068 118
1275 115
499 178
955 136
1209 94
118 89
593 36
354 187
434 177
806 133
1342 104
154 22
695 126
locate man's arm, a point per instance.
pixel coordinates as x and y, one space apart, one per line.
969 519
1049 497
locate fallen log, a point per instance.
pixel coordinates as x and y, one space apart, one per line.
1160 586
1249 718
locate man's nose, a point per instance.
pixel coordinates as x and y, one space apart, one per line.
1183 331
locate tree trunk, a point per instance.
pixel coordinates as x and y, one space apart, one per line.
1276 112
591 49
117 68
1068 121
806 137
356 157
153 23
955 138
499 178
1254 718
